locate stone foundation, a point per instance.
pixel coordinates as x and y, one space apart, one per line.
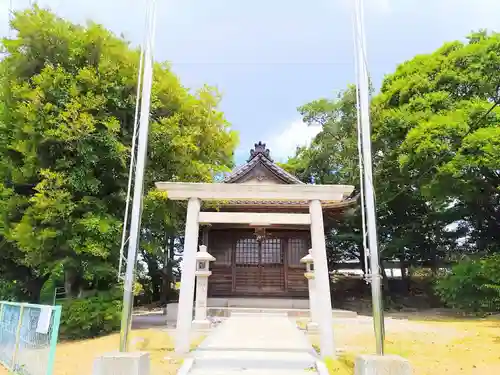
128 363
382 365
312 327
201 324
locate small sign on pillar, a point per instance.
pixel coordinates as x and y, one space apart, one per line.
312 325
203 259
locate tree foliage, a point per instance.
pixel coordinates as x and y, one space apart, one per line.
91 317
438 114
473 284
332 157
436 155
66 122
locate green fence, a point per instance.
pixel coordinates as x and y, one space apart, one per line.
28 337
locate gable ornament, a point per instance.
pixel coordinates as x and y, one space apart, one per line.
260 148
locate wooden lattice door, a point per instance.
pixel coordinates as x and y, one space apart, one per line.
247 266
259 265
272 277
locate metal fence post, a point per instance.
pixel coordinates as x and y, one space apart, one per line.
53 339
18 336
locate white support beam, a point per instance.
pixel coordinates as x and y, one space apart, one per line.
186 295
256 218
276 192
322 281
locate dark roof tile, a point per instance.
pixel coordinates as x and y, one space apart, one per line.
261 155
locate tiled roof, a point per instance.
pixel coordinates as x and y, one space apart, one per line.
260 155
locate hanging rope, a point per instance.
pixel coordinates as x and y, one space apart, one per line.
133 149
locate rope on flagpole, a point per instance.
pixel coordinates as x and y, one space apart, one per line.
371 220
360 163
136 211
133 151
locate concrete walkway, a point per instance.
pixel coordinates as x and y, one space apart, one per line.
255 344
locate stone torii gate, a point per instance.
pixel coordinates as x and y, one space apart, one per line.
195 193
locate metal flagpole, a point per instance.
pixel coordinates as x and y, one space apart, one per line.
364 107
133 151
360 162
135 220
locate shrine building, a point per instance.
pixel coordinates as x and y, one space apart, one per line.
258 223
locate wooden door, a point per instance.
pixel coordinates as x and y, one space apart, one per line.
259 266
247 265
272 270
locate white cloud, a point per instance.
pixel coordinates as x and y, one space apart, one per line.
297 133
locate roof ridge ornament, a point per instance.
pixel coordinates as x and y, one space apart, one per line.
260 149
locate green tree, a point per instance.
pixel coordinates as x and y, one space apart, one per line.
66 123
436 155
438 115
473 284
332 157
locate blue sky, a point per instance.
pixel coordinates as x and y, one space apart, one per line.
269 57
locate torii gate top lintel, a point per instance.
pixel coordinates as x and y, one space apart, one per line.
221 191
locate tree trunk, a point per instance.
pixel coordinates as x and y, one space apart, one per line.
34 288
71 282
434 261
167 276
362 258
404 274
154 273
386 290
385 279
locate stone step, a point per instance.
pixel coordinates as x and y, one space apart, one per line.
259 344
251 313
273 303
228 311
225 311
254 359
